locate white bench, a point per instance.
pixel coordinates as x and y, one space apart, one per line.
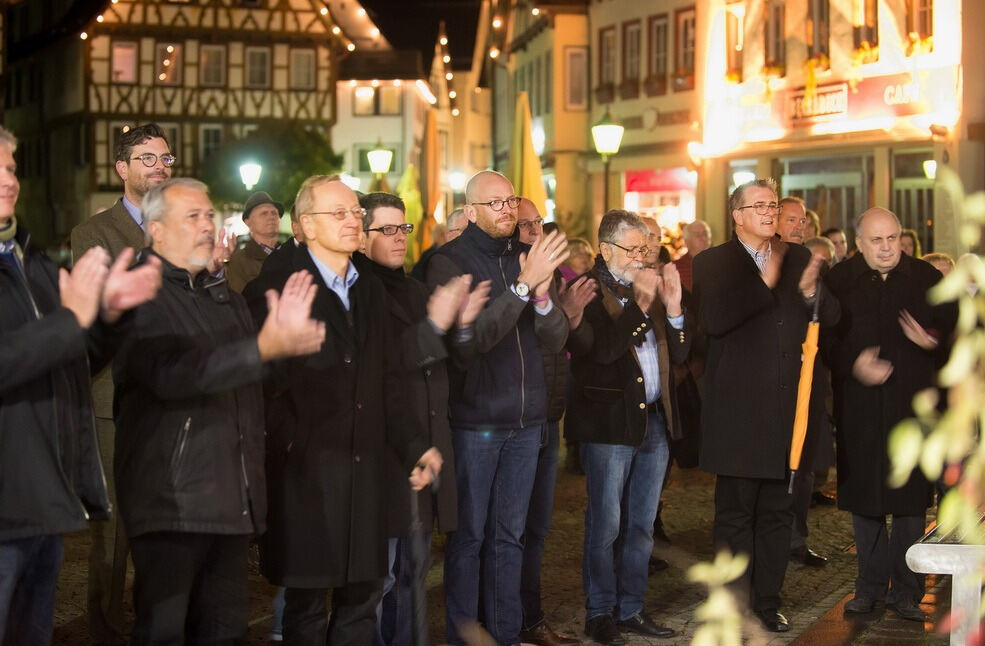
943 553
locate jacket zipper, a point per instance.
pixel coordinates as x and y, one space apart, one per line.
519 347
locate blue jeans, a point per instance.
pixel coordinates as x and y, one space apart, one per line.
277 620
495 474
28 574
624 485
538 523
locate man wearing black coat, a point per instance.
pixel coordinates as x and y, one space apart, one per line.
329 419
189 427
883 351
755 295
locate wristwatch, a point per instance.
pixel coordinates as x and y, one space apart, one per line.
522 289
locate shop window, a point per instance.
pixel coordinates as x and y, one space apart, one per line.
656 80
776 50
212 63
257 67
209 140
818 31
866 31
919 26
302 69
607 64
124 61
684 49
735 14
630 87
168 61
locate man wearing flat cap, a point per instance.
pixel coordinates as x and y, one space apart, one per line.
262 215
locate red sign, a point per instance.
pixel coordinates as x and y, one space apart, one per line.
656 181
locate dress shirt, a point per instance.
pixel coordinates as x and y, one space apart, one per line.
759 258
646 353
335 282
134 212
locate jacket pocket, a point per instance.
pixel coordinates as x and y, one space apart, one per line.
178 452
603 395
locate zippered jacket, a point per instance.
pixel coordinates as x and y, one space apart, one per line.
51 478
503 386
189 412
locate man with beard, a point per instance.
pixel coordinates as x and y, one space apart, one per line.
755 295
189 418
791 225
498 405
884 350
622 410
143 160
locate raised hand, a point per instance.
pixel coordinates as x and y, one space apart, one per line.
869 369
80 290
916 332
126 289
575 297
669 289
446 301
289 329
808 279
473 303
427 469
537 266
645 287
224 248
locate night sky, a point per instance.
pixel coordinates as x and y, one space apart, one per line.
413 24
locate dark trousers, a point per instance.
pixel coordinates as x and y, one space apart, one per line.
190 588
803 488
28 574
753 517
306 621
882 557
538 523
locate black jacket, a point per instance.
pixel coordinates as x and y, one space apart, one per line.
189 412
51 478
504 387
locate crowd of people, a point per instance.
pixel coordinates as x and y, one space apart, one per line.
314 397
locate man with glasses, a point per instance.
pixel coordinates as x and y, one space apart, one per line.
755 295
498 404
143 160
330 419
623 412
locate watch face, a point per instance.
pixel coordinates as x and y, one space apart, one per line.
522 289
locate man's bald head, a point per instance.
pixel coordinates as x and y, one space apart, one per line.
484 190
878 239
479 184
529 221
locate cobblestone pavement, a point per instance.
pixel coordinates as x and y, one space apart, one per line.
811 597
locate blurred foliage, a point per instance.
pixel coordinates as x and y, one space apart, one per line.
947 444
288 153
721 620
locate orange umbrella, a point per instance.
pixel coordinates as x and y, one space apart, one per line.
809 348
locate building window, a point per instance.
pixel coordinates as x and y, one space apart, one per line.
171 131
607 55
212 65
548 82
866 30
684 50
776 50
735 14
257 67
370 101
630 60
125 56
656 80
919 26
302 69
168 62
209 140
818 31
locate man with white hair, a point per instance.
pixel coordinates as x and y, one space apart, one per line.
697 238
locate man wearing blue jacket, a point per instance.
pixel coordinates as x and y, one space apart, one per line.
498 405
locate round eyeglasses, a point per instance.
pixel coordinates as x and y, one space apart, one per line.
150 159
497 205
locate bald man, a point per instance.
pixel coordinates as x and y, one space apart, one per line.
882 352
498 404
697 238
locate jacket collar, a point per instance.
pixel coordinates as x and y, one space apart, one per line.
859 267
179 276
478 238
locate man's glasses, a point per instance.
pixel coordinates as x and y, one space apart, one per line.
634 252
150 159
497 205
529 225
391 229
340 214
762 208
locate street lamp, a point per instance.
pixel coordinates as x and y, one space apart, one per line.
607 135
379 162
250 174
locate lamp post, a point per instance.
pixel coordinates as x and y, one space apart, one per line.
250 174
607 135
379 162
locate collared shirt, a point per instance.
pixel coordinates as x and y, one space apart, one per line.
759 258
266 248
134 212
335 282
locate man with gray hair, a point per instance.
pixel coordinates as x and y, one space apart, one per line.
697 238
189 420
622 410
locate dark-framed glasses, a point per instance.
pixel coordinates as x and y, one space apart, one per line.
391 229
529 225
340 214
497 205
762 208
632 252
150 159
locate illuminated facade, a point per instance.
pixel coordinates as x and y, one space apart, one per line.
847 103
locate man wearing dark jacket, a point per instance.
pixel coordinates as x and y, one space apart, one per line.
883 351
498 406
755 295
189 420
52 334
622 411
261 214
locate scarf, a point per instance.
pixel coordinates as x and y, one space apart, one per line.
624 292
7 233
